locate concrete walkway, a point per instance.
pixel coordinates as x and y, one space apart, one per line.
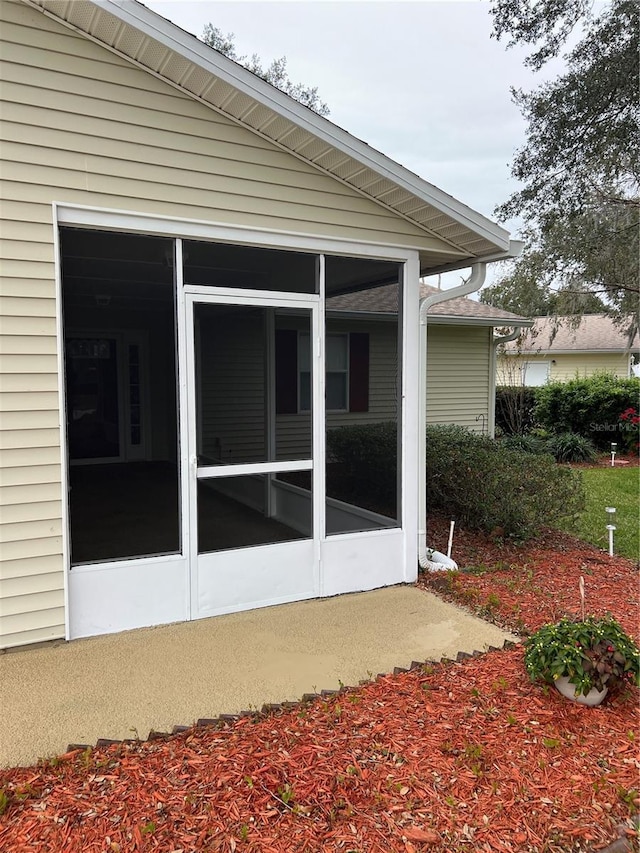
125 684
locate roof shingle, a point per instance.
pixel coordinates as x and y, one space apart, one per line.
384 300
595 333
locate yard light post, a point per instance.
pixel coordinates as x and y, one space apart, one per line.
614 448
611 511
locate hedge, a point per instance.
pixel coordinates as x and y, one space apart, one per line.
488 487
471 478
592 407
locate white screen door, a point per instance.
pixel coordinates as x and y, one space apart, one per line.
254 504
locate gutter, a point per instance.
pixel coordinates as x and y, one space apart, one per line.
471 285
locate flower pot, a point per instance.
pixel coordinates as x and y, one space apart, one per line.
593 697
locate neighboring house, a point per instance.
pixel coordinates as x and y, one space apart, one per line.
560 349
461 350
173 232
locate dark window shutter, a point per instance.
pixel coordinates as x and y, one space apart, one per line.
358 372
286 371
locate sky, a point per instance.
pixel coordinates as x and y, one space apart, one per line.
423 82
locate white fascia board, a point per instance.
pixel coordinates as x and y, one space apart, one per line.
187 45
514 250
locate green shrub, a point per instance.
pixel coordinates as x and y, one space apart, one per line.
591 407
485 486
525 443
472 478
571 447
367 454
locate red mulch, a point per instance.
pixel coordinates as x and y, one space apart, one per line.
524 586
621 461
456 757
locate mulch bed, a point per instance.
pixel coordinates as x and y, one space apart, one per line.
464 756
621 461
522 587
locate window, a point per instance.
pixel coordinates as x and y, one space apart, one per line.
337 373
535 373
347 372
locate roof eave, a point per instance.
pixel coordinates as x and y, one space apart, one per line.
576 351
137 16
513 250
496 322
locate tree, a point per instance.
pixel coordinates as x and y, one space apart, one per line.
579 167
276 73
529 290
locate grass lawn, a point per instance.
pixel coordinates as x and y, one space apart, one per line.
618 487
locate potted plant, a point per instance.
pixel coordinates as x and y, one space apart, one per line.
584 658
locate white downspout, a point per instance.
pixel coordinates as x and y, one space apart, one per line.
492 379
471 285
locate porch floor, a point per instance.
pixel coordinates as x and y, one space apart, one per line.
131 510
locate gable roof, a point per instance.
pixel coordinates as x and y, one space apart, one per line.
595 333
383 300
131 30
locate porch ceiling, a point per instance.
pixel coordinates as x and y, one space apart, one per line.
131 30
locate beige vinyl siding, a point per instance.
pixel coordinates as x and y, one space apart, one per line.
82 126
31 578
567 365
231 418
458 375
292 430
116 136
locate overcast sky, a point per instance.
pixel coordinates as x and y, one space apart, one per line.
423 82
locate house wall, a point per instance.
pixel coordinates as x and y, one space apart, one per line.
232 388
458 375
82 126
293 430
567 366
458 380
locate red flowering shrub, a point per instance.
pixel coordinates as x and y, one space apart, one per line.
630 430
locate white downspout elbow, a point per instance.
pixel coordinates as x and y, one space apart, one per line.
471 285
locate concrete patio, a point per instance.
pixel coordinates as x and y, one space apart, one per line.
124 685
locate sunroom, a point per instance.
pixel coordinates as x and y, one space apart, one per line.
201 379
174 231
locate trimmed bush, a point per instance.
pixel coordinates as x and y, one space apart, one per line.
592 407
474 479
485 486
571 447
367 454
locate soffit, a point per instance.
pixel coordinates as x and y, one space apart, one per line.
140 35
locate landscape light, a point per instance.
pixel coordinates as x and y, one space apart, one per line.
611 511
